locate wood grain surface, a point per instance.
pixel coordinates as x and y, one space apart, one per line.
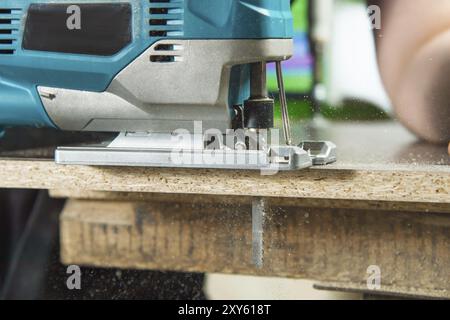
412 250
227 199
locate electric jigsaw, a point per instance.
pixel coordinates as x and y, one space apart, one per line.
185 75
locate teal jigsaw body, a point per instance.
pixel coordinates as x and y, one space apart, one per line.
23 70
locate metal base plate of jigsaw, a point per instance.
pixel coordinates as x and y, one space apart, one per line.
134 151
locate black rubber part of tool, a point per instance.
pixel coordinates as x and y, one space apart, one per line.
258 113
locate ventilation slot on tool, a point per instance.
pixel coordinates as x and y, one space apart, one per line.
9 28
167 52
166 18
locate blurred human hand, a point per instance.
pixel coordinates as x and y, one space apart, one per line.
414 57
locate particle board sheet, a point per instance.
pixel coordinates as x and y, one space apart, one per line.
377 162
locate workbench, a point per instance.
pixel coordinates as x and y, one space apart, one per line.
385 203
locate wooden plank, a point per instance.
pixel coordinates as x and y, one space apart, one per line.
323 182
331 245
387 293
240 200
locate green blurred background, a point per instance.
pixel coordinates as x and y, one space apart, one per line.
299 74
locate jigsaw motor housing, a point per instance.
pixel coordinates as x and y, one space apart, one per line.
153 65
